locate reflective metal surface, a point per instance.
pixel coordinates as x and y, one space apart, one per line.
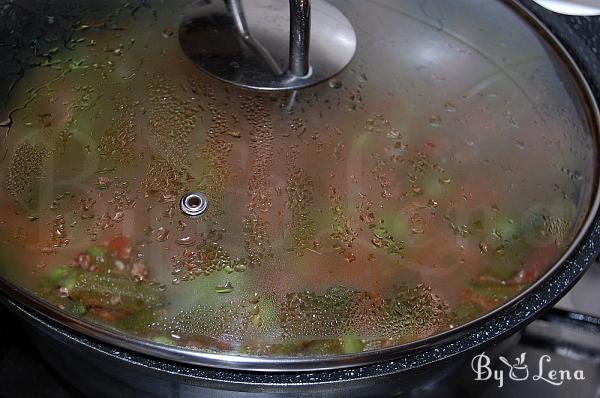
572 7
299 38
193 204
262 45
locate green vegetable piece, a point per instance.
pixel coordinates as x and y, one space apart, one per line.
397 225
226 288
97 290
265 315
287 348
467 311
434 185
78 309
503 271
495 290
137 322
505 229
96 252
56 275
163 340
351 344
322 347
64 277
382 238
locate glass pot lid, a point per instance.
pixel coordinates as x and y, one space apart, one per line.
436 178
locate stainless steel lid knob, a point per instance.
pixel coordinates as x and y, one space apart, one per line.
193 204
260 44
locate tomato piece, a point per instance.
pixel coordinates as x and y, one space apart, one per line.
120 246
537 263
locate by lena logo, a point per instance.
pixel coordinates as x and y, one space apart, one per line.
520 371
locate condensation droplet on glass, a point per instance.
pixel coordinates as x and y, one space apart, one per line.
185 241
435 121
335 83
450 107
160 234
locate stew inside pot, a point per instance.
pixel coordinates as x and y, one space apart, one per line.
432 181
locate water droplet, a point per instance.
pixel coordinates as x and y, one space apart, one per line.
519 144
160 234
483 247
240 267
435 121
185 241
256 320
103 182
335 84
349 257
167 32
254 299
226 288
450 107
444 180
